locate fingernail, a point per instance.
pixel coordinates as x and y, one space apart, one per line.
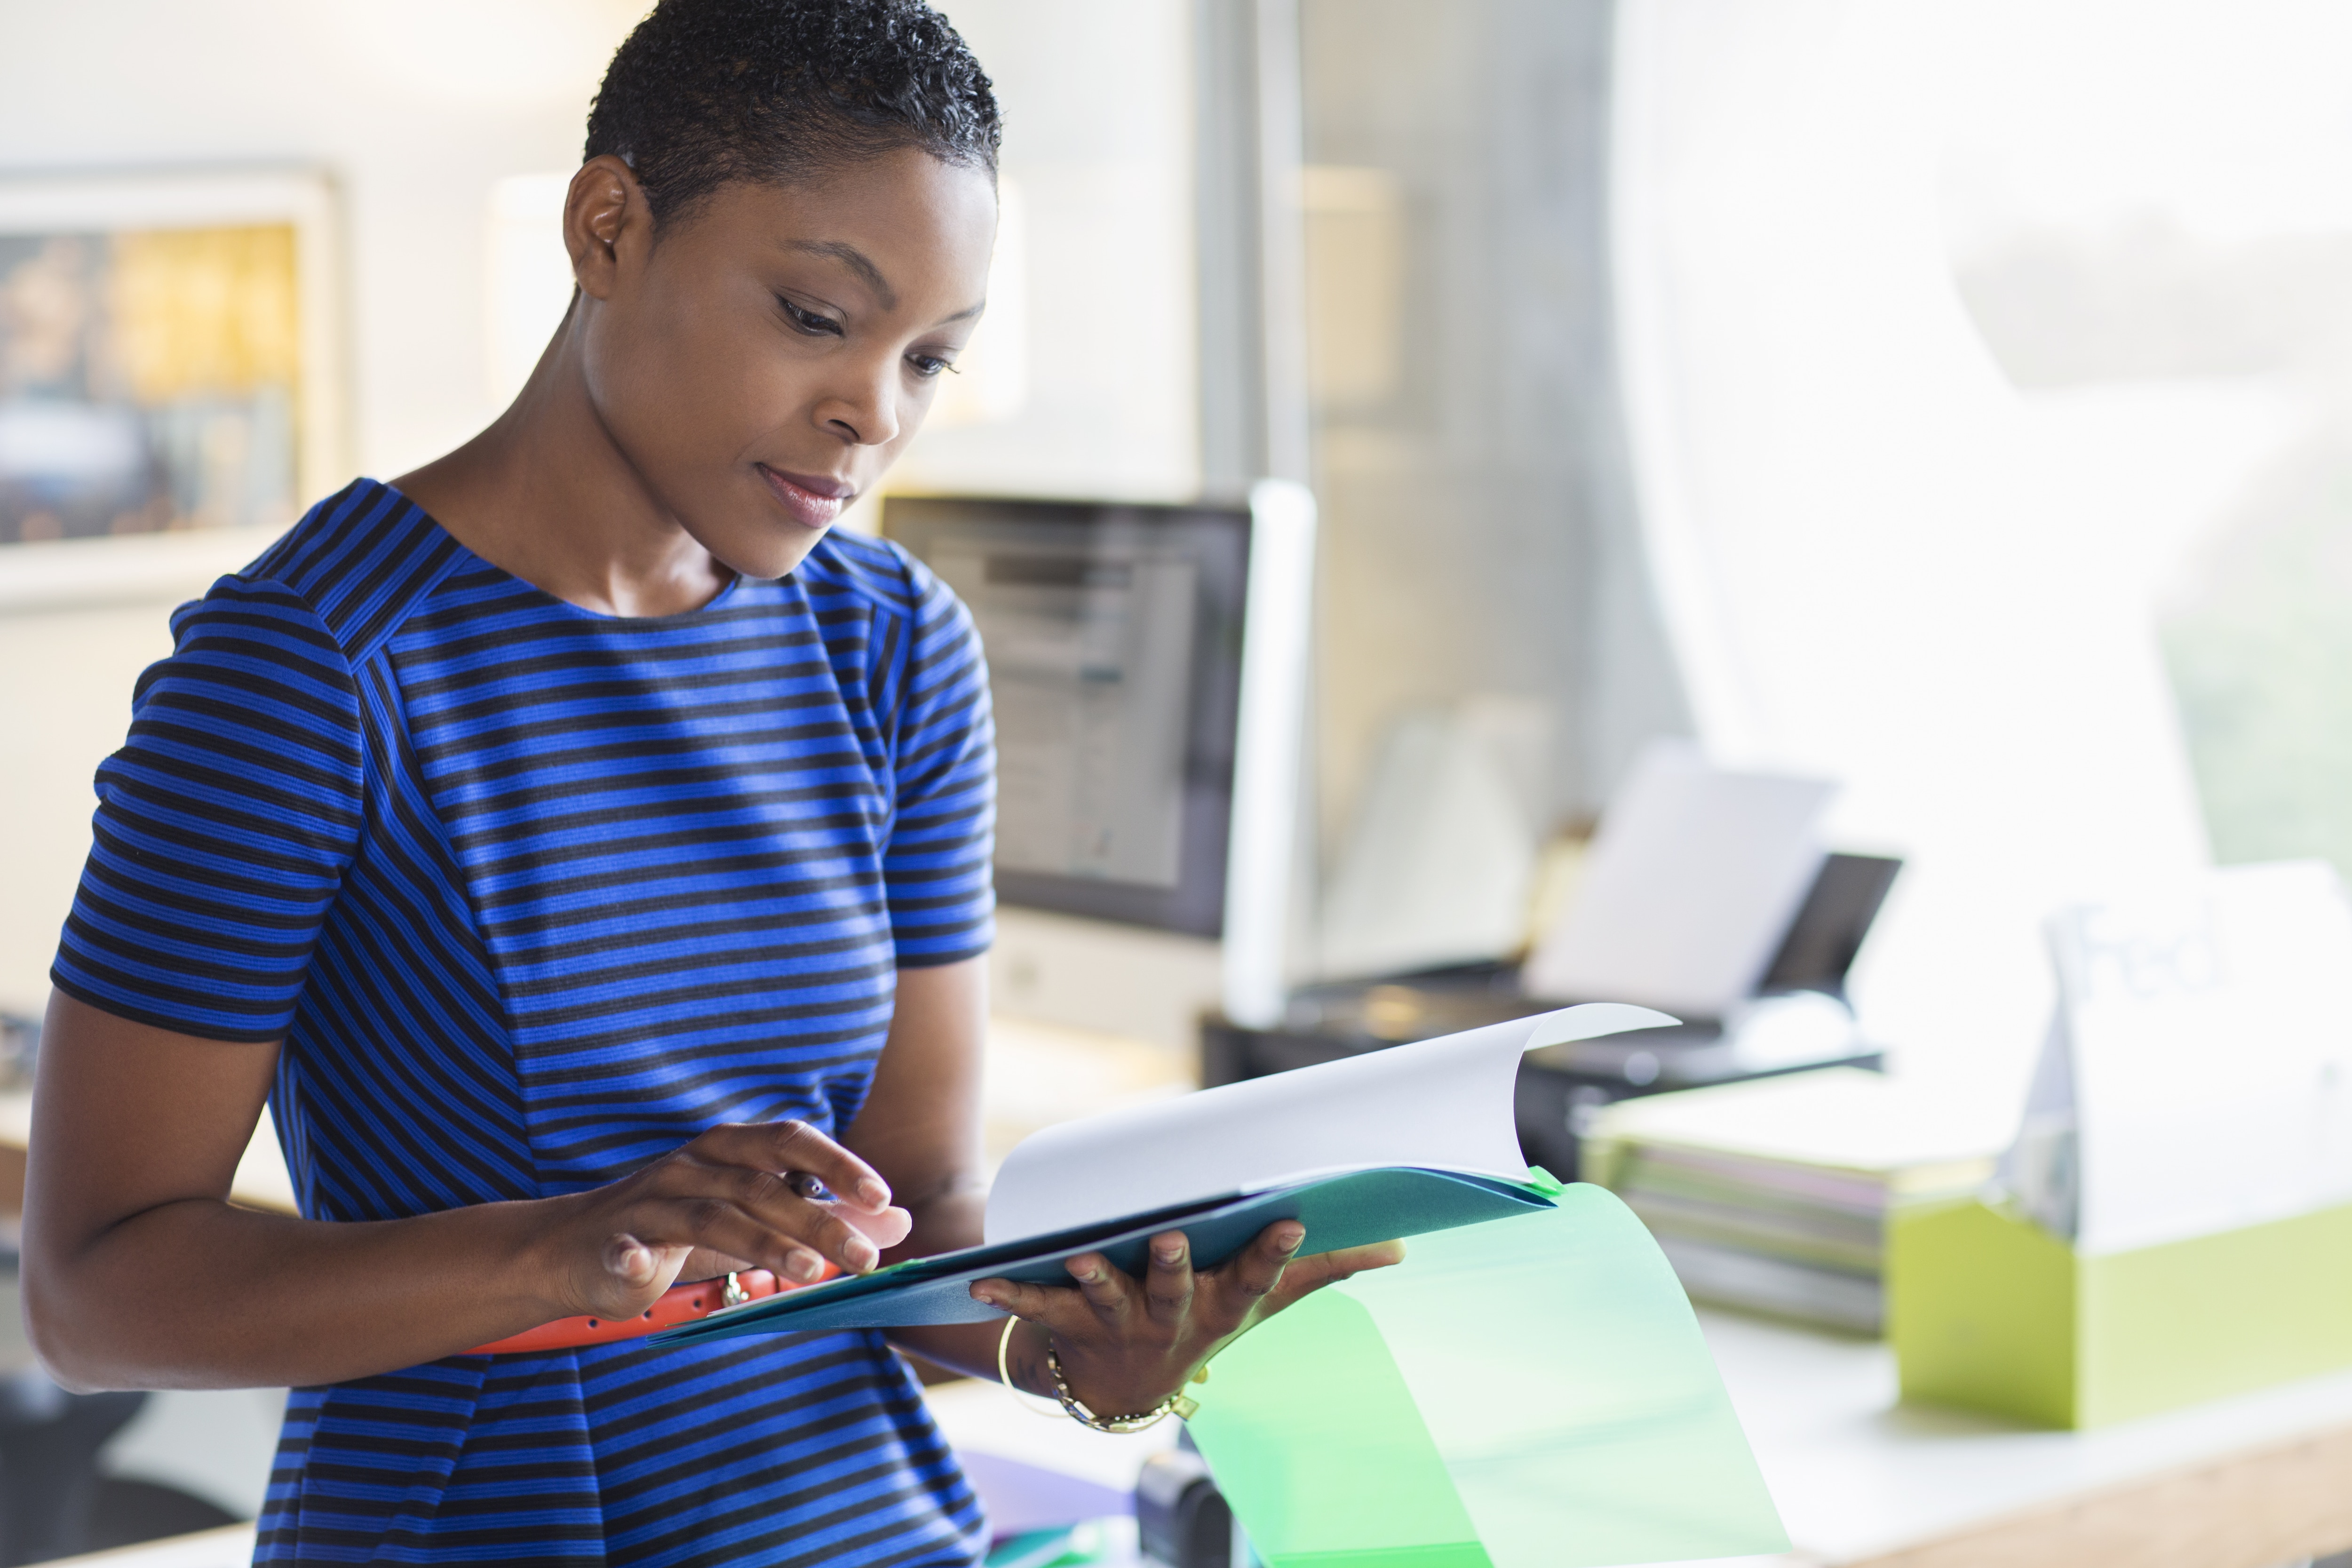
1168 1254
803 1268
985 1298
1291 1245
873 1194
861 1254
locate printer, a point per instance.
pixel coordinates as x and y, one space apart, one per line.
1795 1019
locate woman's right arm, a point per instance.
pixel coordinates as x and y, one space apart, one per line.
140 1274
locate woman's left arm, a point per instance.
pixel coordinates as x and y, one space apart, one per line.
1125 1344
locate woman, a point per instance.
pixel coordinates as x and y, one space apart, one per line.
585 852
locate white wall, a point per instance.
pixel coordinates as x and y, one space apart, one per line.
65 698
1098 103
417 109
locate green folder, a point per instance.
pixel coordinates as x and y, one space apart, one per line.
1530 1392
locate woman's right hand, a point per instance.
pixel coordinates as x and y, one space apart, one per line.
137 1134
738 1196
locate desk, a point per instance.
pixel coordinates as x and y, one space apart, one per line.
1036 1074
2250 1482
230 1546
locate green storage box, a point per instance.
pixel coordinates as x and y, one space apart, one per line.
1987 1311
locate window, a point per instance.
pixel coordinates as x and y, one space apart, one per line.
2149 212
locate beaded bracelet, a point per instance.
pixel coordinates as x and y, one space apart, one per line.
1175 1404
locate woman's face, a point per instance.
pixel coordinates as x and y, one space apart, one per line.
767 359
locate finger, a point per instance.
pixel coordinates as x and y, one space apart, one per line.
1105 1289
802 1265
785 1147
1049 1306
770 1200
636 1265
706 1263
1257 1269
885 1230
1168 1282
727 1227
701 1263
1310 1274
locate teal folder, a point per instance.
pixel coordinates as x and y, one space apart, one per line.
1353 1208
1383 1146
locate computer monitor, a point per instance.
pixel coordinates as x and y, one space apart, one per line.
1148 667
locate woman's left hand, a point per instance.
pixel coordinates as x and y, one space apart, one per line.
1127 1344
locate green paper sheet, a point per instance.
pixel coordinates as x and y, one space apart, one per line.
1530 1393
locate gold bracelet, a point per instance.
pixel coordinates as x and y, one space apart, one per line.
1004 1373
1175 1404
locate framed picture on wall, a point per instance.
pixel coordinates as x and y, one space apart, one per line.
170 358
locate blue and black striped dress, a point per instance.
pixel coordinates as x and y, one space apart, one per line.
534 896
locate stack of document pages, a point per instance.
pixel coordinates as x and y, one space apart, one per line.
1773 1195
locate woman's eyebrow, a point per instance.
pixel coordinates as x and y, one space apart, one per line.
857 260
862 265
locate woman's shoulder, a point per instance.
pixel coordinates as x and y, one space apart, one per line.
877 571
883 611
359 562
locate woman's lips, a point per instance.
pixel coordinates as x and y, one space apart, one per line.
814 502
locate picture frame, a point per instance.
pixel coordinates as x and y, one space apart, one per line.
172 375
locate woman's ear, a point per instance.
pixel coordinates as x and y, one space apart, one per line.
604 205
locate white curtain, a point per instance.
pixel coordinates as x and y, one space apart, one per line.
1868 560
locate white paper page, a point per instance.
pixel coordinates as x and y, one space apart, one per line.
1441 856
1689 887
1842 1116
2041 1172
1445 1102
2212 1054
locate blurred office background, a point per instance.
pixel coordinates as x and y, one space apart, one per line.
1951 400
1941 399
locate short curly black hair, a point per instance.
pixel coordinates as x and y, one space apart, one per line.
703 93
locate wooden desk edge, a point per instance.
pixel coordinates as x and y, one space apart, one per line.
2253 1508
225 1547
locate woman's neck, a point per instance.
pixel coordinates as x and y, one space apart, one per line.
546 493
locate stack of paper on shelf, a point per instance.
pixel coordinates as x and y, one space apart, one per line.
1773 1195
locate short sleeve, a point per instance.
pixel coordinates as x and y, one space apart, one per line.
941 894
223 825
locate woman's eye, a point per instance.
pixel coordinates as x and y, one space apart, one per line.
809 321
929 365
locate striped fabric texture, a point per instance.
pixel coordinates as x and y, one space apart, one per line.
533 896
